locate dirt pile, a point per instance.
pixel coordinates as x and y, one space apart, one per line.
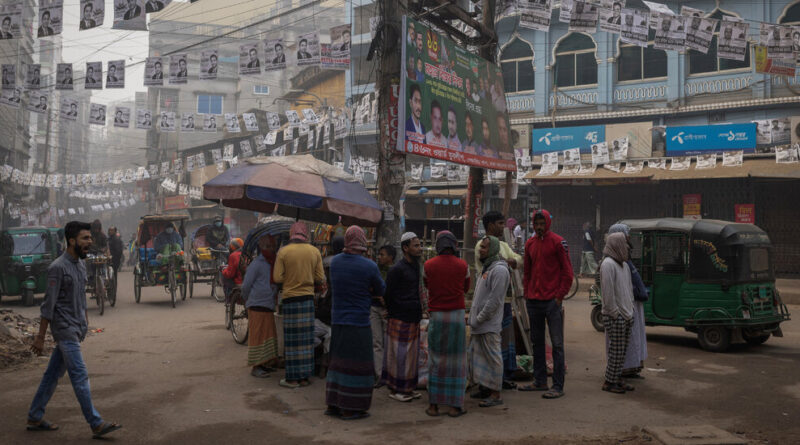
16 335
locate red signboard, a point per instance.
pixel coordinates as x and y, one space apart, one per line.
745 213
175 202
691 206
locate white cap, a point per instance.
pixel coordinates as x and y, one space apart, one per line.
408 236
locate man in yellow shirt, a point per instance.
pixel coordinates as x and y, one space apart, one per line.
298 268
495 223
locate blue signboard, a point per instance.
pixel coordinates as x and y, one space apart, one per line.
700 139
545 140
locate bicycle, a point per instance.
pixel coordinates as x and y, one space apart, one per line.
103 284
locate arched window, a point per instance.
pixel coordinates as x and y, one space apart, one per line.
792 15
637 63
575 61
709 63
516 61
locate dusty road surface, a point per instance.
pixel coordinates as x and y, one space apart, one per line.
174 376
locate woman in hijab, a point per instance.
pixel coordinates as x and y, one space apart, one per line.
354 281
637 347
617 292
259 293
447 279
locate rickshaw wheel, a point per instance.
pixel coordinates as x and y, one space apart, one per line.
597 318
714 338
183 288
754 339
137 287
191 279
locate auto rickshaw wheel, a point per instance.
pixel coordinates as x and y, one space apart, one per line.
597 318
753 338
714 338
27 297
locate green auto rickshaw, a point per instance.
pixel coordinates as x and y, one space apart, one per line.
713 278
25 254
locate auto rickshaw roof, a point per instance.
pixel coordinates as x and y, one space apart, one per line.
152 218
26 229
733 232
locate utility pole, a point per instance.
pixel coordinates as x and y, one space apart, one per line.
472 206
391 163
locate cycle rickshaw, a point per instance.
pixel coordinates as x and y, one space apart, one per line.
167 268
102 283
206 264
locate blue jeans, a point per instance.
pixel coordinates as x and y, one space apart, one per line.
540 311
66 357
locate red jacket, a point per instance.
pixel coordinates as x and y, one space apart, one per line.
548 270
231 271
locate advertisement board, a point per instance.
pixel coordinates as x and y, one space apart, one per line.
691 206
745 213
545 140
699 139
452 103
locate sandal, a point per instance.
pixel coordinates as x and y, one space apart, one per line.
553 394
507 384
613 388
104 429
432 413
533 387
459 413
490 402
259 372
41 425
401 397
627 387
416 395
287 384
356 416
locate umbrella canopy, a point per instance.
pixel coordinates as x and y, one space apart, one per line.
301 187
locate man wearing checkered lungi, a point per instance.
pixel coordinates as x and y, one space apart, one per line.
617 291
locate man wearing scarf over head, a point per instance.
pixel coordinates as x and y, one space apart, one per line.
259 292
354 281
617 291
298 268
485 321
447 279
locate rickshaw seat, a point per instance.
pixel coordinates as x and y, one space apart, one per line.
147 255
204 254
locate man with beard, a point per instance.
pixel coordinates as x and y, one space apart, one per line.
414 124
64 311
470 146
435 136
452 130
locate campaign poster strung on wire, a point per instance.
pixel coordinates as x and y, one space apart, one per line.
155 5
9 76
130 15
144 119
122 117
671 32
699 30
115 74
10 21
97 114
340 46
308 50
732 42
209 123
274 55
535 15
33 78
63 76
249 62
208 64
584 17
69 108
50 18
178 73
38 102
93 79
634 27
436 117
12 97
92 14
153 71
610 16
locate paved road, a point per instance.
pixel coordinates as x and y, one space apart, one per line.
176 376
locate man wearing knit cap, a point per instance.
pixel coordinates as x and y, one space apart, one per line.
404 308
298 268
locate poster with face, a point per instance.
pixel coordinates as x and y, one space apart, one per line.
274 55
680 163
9 79
93 80
97 114
216 155
152 169
92 14
64 76
245 150
340 41
288 134
293 117
633 167
177 165
706 161
187 122
732 158
781 131
167 122
249 61
12 98
656 11
273 120
50 18
155 5
308 50
618 149
535 14
260 145
69 108
600 153
122 117
209 60
232 123
611 18
115 74
190 163
227 152
634 27
178 74
209 123
200 160
699 32
671 32
38 102
572 156
787 154
732 42
565 13
310 116
280 151
153 71
166 168
250 122
584 17
10 21
270 138
130 15
144 120
33 79
778 40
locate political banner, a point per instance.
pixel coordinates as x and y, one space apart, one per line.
706 161
656 11
787 154
274 55
584 17
187 122
232 123
610 19
572 156
69 108
153 71
209 123
155 5
250 121
93 79
51 18
308 50
732 42
732 158
699 33
778 40
167 121
293 118
122 117
144 120
535 14
63 76
340 42
558 139
600 153
11 21
178 74
273 120
671 33
11 97
476 133
774 66
129 15
93 13
700 139
33 78
38 102
9 76
97 114
329 62
115 74
634 27
565 13
249 62
208 64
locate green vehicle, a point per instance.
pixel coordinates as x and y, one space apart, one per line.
25 254
710 277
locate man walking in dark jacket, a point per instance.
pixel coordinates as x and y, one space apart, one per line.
116 248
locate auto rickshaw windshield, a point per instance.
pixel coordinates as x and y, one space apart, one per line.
30 243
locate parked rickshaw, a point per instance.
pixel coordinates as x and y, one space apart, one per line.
206 264
25 255
102 281
714 278
157 268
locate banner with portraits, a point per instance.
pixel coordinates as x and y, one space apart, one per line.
308 49
671 32
167 122
93 79
115 74
155 5
33 78
209 123
610 16
93 13
699 30
153 71
634 27
274 55
584 17
250 121
535 14
329 62
249 62
9 79
69 108
64 76
11 97
51 18
178 73
656 11
144 119
439 117
187 122
778 40
122 117
130 15
97 114
732 40
11 21
209 64
38 102
232 123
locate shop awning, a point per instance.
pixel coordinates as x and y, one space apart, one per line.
452 193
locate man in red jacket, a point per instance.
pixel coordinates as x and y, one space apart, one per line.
547 279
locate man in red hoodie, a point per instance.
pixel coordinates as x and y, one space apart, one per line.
547 279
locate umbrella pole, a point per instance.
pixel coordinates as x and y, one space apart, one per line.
297 217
